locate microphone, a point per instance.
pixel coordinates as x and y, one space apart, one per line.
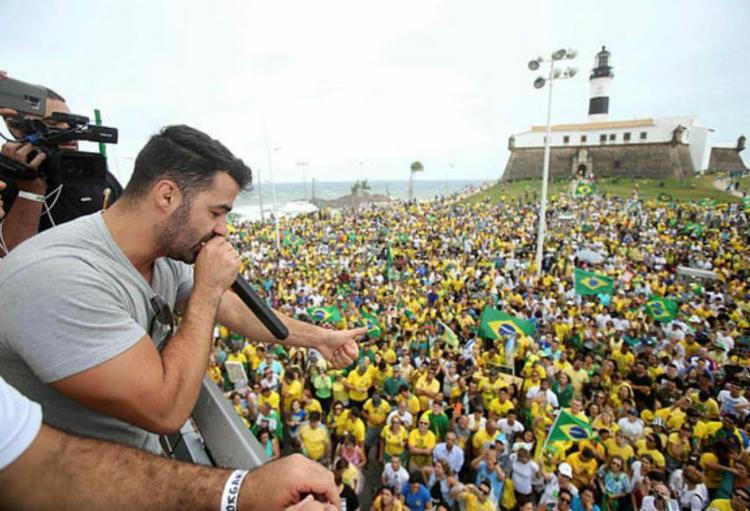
262 311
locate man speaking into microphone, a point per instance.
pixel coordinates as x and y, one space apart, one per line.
87 307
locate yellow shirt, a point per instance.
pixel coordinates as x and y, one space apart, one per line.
500 409
376 415
480 438
338 422
490 389
624 361
360 383
273 399
291 392
412 404
433 386
314 406
720 505
625 451
578 378
712 478
473 503
378 505
215 374
583 472
237 357
356 428
420 441
314 441
394 442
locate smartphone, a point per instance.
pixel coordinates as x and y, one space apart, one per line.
23 97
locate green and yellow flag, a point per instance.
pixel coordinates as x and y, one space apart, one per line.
289 239
495 324
590 283
694 229
569 428
584 189
661 309
324 314
375 330
451 338
664 197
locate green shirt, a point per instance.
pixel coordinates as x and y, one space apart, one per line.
391 385
322 384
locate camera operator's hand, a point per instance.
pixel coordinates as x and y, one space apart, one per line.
20 153
216 266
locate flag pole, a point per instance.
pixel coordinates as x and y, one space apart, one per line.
551 429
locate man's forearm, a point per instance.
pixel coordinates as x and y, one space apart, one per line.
185 358
238 318
60 471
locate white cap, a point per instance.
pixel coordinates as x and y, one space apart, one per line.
565 469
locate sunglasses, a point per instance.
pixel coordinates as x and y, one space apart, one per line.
162 324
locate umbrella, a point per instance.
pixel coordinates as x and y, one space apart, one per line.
589 256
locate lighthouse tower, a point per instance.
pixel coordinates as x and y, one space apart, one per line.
600 79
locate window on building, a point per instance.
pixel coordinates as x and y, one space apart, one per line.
583 139
602 138
566 139
626 137
612 137
643 135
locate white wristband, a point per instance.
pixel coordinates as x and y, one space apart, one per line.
30 196
231 494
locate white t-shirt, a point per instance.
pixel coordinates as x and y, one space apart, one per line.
395 479
20 421
523 473
508 429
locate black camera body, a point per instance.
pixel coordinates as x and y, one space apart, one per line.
61 165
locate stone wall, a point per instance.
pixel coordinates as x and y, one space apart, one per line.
725 159
621 160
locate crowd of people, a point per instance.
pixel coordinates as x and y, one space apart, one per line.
434 415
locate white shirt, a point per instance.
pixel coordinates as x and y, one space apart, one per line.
395 479
20 422
523 473
632 430
406 418
551 397
508 429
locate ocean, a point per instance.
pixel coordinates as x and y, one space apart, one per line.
292 199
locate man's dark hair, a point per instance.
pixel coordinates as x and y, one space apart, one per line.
188 157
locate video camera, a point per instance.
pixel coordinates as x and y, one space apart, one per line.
61 165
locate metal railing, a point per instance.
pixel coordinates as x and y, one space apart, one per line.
216 435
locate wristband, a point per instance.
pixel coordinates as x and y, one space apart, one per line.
230 495
30 196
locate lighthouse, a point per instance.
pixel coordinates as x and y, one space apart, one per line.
600 80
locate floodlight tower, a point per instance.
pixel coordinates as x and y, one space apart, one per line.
554 74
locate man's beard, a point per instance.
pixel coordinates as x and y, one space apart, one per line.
176 238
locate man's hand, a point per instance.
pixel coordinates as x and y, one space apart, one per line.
310 504
288 481
19 153
216 266
340 346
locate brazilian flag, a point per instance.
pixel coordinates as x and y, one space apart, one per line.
495 324
450 336
289 239
746 204
694 229
389 255
708 203
664 197
569 428
590 283
584 189
661 309
375 330
324 314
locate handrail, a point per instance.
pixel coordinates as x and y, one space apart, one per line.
227 441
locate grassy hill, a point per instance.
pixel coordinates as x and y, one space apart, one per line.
695 188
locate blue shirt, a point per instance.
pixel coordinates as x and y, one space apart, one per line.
496 484
416 501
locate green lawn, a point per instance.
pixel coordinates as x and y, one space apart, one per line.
680 189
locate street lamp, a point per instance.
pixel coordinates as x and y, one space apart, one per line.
554 74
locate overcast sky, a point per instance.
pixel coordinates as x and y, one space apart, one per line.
370 87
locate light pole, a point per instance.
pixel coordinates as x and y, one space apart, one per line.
554 74
302 165
415 167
